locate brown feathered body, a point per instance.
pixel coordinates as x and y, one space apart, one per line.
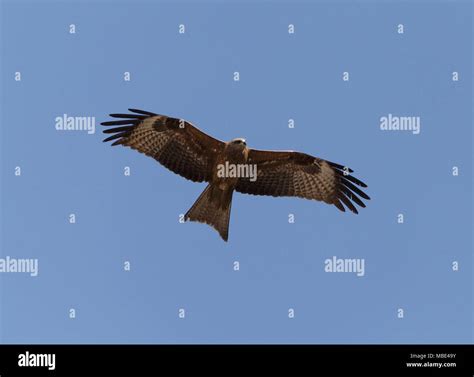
214 204
189 152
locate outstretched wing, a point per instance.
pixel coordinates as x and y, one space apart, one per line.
289 173
175 143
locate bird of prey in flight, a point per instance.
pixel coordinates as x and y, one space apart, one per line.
189 152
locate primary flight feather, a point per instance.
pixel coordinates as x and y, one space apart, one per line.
189 152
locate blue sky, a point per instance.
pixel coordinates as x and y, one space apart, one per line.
187 266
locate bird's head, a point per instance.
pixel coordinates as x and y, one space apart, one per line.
239 141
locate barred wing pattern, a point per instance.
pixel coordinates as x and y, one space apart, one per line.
175 143
289 173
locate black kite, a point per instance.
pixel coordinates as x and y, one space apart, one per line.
189 152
